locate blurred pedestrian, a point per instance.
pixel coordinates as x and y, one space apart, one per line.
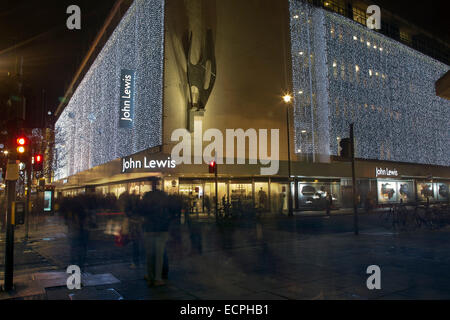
78 229
195 234
131 225
156 233
329 203
207 201
135 237
262 196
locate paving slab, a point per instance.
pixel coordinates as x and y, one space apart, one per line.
95 294
59 279
23 287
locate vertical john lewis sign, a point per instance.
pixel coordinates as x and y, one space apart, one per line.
126 98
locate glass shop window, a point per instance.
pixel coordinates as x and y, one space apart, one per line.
278 197
442 191
210 194
134 187
262 195
146 187
314 194
425 190
387 191
241 192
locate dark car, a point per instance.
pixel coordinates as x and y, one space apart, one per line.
308 191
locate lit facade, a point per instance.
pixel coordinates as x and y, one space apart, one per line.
345 73
88 133
338 72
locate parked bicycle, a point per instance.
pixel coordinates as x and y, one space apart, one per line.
399 217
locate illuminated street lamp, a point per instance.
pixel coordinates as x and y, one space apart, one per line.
287 98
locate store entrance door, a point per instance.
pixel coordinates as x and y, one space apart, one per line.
193 193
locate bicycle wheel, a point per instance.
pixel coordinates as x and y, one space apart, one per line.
387 219
418 218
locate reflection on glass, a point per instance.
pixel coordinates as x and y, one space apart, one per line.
425 190
405 190
387 191
314 194
442 191
262 195
278 197
194 195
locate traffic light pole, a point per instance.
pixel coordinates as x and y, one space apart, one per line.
27 206
216 182
9 245
290 209
355 205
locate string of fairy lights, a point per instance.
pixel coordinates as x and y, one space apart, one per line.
344 72
87 132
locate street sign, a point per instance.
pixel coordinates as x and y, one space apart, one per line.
22 166
41 186
12 171
19 212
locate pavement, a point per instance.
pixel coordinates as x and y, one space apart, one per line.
278 258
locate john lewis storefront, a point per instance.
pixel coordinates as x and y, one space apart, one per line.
147 46
381 182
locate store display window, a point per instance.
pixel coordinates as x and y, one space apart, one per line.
395 191
425 190
442 191
314 194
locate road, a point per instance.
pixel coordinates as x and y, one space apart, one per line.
276 258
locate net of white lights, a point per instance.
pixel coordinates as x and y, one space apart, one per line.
344 72
87 132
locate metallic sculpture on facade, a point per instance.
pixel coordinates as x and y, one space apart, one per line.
201 76
197 27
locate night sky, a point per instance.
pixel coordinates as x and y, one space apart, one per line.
52 53
431 15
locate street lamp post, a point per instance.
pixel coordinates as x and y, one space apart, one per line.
287 99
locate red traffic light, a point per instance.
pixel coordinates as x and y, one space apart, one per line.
21 141
212 167
38 164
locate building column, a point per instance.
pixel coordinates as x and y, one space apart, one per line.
296 193
253 192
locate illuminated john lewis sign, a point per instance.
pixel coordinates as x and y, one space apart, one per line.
126 98
130 163
386 172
